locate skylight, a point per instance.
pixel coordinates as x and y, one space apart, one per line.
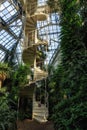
2 55
50 33
16 27
7 10
10 30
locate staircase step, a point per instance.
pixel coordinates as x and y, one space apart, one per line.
34 125
37 103
40 118
42 115
30 20
37 106
40 110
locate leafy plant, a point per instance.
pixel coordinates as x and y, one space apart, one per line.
70 113
9 97
20 75
7 115
18 81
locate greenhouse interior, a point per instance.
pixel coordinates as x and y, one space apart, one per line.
43 64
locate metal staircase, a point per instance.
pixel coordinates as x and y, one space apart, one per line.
32 41
40 111
32 52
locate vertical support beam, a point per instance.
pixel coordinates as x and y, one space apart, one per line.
35 36
45 93
35 60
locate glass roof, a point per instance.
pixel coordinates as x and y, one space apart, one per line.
50 33
10 29
7 10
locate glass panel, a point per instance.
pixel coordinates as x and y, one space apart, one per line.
7 10
10 44
41 2
2 55
16 27
7 40
50 33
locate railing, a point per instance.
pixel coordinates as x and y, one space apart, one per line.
35 8
32 38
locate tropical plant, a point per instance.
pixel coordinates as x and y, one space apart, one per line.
70 112
20 75
7 116
19 81
9 97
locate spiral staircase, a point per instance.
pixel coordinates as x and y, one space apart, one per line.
32 53
40 107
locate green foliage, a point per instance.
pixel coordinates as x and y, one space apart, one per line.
9 95
69 82
54 5
55 91
7 115
20 75
3 66
18 81
70 114
5 69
